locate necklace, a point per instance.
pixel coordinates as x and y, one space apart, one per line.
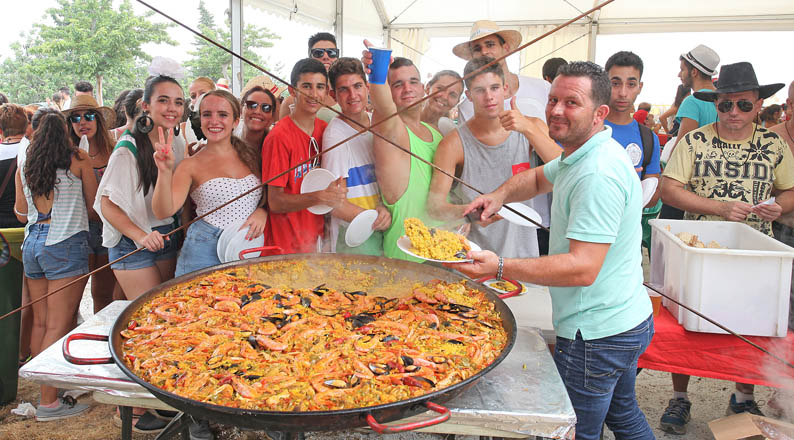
15 140
719 145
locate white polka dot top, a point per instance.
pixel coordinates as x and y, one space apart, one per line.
220 190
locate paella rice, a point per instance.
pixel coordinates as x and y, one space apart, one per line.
230 339
436 244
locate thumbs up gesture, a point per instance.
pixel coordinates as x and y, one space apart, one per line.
513 120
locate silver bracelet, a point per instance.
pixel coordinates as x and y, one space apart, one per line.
501 267
21 214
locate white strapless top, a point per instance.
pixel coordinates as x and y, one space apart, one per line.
220 190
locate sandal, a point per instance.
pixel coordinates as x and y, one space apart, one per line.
145 423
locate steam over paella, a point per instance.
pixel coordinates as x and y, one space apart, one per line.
229 339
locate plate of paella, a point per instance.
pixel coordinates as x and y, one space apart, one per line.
434 244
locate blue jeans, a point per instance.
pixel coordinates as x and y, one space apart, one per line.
144 258
64 259
599 376
95 238
200 249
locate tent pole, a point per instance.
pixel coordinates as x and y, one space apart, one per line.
339 24
236 8
591 43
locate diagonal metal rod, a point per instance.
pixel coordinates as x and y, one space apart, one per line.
325 150
722 327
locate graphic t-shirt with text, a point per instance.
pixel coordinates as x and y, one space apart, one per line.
732 171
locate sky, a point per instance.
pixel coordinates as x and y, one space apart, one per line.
659 52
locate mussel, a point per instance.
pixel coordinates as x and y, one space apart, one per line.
469 314
353 381
437 359
360 320
189 349
306 301
379 369
335 383
205 283
263 285
252 376
460 254
390 338
412 368
480 321
215 361
244 300
454 342
326 312
353 296
419 382
406 360
321 290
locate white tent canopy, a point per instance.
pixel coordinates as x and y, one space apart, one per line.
406 26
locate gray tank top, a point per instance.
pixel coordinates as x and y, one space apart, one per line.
486 167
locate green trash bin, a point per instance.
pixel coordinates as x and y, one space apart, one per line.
10 299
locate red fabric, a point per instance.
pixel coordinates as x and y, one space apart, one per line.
286 146
718 356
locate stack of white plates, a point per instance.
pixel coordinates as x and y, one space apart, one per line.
232 241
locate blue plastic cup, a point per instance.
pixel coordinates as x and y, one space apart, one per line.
380 65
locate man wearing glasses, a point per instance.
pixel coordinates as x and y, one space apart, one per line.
292 141
322 47
727 170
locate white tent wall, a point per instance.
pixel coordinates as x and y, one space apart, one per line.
416 22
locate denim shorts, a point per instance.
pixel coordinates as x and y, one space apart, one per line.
95 238
144 258
65 259
200 248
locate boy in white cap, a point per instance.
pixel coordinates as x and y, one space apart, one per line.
487 39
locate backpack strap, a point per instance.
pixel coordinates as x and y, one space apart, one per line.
647 147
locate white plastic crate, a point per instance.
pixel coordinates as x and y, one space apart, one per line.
744 287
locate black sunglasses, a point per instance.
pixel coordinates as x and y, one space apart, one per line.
253 105
744 105
89 116
318 53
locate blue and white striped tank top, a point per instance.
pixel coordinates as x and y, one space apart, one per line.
68 215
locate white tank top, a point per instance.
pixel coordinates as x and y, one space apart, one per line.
220 190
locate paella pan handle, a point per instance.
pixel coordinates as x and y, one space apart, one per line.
517 291
84 361
443 416
277 251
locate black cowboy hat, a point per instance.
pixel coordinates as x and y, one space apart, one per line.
738 77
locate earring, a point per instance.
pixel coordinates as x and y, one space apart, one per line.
144 123
176 130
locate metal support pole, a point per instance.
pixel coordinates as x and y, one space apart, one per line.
236 8
339 24
591 44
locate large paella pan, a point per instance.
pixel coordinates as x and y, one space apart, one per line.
310 277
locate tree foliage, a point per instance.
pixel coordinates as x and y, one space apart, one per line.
208 60
86 40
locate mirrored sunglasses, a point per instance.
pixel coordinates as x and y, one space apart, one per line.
744 105
318 53
89 116
253 105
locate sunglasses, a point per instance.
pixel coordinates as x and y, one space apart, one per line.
314 150
252 105
318 53
744 105
89 116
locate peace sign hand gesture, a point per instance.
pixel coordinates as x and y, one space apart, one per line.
164 151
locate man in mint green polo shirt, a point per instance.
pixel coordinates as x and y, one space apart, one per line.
601 311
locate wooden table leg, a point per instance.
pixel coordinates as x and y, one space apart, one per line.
126 422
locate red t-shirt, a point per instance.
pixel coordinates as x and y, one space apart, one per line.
285 146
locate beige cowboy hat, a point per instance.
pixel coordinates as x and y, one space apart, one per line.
484 28
261 81
87 102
